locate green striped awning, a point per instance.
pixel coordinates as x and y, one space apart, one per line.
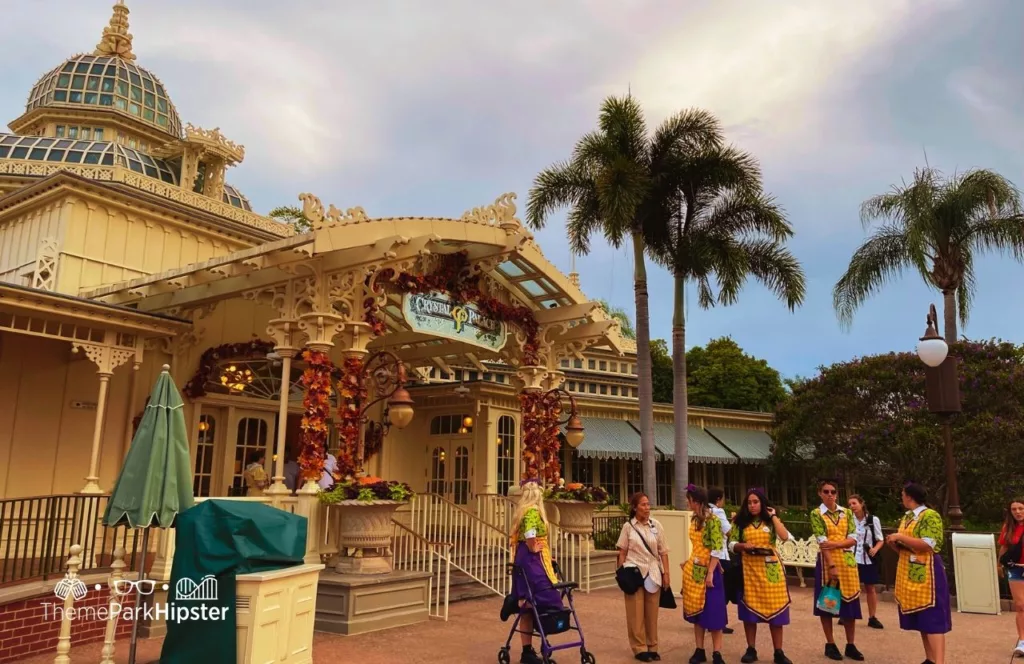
749 446
701 447
606 438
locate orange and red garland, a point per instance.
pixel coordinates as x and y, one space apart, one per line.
540 436
316 378
352 386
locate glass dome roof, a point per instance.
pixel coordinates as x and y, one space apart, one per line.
107 82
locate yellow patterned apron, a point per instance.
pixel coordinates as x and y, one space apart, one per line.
915 574
765 592
844 559
695 571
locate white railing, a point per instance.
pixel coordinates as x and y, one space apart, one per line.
572 551
478 549
413 553
496 509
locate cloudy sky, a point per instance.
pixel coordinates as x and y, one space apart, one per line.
429 107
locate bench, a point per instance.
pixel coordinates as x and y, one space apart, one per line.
800 554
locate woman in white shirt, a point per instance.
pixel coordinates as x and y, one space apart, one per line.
869 541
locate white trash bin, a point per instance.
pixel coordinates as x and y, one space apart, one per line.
975 559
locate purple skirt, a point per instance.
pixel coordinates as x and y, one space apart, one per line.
544 594
939 618
714 617
847 610
748 616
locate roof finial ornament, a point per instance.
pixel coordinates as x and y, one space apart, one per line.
574 276
116 40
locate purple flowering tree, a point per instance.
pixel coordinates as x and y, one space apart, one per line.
868 418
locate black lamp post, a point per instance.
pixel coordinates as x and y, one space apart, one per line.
942 389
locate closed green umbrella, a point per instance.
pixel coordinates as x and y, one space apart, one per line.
155 483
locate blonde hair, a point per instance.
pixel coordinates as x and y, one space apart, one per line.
531 497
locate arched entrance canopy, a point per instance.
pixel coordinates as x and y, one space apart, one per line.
321 281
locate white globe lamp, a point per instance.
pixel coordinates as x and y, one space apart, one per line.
932 349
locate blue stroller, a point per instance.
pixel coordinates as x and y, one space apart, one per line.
548 622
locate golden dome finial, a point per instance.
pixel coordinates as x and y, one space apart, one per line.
117 41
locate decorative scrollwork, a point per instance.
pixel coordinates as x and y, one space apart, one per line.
503 210
313 209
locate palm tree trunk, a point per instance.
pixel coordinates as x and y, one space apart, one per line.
679 396
643 367
949 315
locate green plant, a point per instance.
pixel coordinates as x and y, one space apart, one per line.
586 494
367 491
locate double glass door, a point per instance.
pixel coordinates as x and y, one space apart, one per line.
449 471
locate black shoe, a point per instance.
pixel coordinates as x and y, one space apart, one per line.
749 656
832 652
853 653
653 656
728 630
780 658
530 656
874 623
698 657
643 656
716 658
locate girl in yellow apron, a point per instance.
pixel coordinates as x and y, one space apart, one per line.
922 591
835 529
703 585
765 594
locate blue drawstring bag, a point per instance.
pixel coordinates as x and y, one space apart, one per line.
830 599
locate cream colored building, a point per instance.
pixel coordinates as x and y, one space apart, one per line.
123 247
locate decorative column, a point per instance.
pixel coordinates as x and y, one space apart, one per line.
106 357
284 331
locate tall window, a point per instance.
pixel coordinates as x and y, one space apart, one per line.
250 445
203 475
506 453
608 474
460 479
663 473
731 479
634 478
582 468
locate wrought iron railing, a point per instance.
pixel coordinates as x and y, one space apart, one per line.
37 533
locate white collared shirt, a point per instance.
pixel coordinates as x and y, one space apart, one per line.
862 536
723 553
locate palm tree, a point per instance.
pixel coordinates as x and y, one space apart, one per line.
619 314
718 224
936 225
606 184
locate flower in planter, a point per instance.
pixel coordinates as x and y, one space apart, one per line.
578 492
367 489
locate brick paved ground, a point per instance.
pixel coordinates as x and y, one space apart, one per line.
474 633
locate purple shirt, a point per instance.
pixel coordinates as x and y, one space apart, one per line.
327 479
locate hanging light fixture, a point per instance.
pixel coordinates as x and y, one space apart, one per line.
236 379
467 422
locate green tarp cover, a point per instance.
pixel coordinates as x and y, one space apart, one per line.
222 538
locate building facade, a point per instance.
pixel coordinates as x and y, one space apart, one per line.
124 248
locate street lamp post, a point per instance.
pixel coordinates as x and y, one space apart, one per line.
551 401
387 372
942 390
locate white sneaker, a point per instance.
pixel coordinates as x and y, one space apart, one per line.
1019 650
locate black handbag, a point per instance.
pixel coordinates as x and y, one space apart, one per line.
629 579
1012 556
667 599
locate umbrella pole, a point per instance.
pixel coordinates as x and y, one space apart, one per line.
138 596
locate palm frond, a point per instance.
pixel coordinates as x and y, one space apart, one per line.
743 212
966 290
777 269
622 122
880 259
560 185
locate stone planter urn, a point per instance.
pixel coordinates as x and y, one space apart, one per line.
575 516
363 531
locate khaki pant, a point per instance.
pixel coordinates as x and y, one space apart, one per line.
642 620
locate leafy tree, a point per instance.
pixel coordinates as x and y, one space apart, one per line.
618 313
711 220
661 371
869 418
937 226
721 375
609 186
289 214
